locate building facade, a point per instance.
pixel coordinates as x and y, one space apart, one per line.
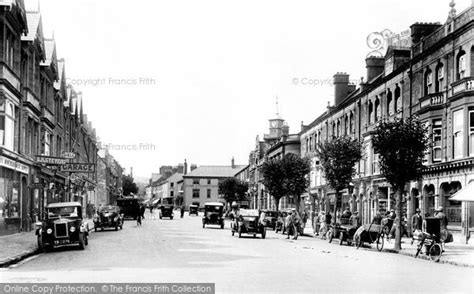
432 77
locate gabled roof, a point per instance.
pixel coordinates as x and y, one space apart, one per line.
215 171
33 19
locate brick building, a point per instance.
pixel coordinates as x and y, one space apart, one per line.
431 76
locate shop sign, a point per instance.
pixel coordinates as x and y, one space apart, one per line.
78 168
49 160
6 162
69 155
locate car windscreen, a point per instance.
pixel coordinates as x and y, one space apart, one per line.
70 211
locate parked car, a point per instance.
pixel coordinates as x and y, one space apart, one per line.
193 209
108 217
63 225
213 214
166 211
129 207
250 222
271 217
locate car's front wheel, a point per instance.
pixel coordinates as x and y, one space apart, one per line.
41 246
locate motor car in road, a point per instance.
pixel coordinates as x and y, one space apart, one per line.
63 225
129 207
251 222
271 217
193 209
213 214
166 211
108 216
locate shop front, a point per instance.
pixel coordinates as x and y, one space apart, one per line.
13 196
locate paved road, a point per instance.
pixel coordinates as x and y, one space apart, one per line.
180 250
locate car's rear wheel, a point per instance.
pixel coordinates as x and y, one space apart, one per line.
171 217
222 224
264 233
116 227
86 240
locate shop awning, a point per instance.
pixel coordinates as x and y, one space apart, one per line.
465 194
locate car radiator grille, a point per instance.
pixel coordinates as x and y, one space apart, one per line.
61 230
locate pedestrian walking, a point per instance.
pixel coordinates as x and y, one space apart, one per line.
182 211
316 225
139 220
293 224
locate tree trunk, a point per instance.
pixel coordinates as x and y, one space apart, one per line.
298 204
398 219
277 202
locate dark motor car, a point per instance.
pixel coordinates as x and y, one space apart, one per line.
249 222
193 209
129 207
63 225
271 217
166 211
213 214
108 217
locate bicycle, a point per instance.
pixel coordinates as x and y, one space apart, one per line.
432 246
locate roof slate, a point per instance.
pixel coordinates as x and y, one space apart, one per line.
215 171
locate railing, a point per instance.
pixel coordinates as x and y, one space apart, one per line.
10 76
432 100
466 84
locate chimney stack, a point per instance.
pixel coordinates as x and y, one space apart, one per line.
185 167
341 87
233 162
375 66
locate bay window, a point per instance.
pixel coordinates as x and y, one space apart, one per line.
458 141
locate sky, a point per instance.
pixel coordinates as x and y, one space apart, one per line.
164 81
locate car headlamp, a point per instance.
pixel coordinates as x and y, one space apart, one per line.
49 231
72 229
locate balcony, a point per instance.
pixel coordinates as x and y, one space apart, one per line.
10 76
464 85
48 116
432 100
32 100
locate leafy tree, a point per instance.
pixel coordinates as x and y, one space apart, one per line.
296 170
401 145
128 185
338 158
274 179
233 189
286 177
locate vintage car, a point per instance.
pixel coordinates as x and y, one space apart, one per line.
129 207
108 217
213 214
63 225
250 222
166 211
193 209
271 217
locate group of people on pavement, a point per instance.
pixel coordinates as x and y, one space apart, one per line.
323 221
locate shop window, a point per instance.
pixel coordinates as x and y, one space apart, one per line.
195 193
458 125
437 129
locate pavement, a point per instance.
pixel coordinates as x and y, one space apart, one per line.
19 246
180 250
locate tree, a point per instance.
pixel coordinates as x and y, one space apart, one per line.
338 158
401 145
286 177
296 170
128 185
274 179
233 189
